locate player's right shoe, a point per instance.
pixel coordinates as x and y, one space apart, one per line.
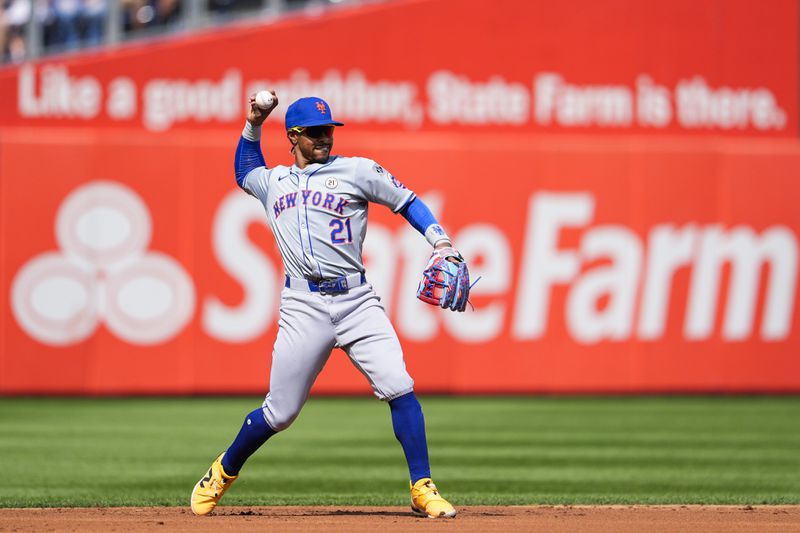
211 487
426 500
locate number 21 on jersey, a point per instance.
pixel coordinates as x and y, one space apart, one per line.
341 233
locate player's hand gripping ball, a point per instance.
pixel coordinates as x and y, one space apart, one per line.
264 99
445 283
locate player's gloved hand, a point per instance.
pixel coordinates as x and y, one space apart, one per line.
445 281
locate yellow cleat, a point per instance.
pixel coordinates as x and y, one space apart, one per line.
426 500
210 488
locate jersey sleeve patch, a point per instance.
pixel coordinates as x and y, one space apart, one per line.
397 182
377 169
377 184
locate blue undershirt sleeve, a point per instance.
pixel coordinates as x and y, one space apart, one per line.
418 215
248 157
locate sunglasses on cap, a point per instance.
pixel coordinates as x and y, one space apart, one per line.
314 132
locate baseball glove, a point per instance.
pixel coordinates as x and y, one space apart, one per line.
445 283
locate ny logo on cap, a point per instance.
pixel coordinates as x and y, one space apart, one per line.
321 107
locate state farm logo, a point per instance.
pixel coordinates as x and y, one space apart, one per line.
102 273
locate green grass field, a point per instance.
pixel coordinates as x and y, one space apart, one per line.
132 452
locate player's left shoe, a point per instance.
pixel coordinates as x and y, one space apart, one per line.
426 500
211 487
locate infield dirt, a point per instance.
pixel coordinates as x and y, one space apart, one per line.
617 519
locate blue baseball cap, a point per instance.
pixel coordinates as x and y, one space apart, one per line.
311 111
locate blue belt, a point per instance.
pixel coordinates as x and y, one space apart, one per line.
327 286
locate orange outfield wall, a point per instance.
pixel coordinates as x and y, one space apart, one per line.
608 265
691 67
629 238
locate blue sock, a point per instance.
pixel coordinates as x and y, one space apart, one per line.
255 432
409 428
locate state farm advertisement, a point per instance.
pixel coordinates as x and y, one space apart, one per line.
622 176
684 67
133 263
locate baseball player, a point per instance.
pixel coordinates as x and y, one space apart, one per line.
317 210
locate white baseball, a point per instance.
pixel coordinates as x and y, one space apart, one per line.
264 99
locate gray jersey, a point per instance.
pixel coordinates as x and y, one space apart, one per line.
319 214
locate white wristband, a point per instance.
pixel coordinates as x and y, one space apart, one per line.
435 234
251 133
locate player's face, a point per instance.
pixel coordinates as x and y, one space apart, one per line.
314 143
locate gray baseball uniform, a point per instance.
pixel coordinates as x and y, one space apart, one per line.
318 215
317 210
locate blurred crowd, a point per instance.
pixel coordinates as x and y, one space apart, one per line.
64 25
